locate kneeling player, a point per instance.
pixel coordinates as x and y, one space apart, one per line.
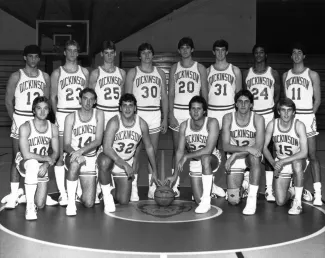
122 137
200 135
33 160
243 139
83 133
290 140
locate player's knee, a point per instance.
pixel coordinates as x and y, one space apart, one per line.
88 203
298 167
233 196
124 201
103 162
280 201
40 204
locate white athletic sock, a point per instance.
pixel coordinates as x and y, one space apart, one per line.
135 180
207 184
30 190
71 189
106 189
317 187
59 178
252 190
298 193
14 186
268 179
177 180
149 177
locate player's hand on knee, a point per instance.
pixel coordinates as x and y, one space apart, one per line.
276 173
42 170
278 165
75 155
80 159
229 163
129 170
255 152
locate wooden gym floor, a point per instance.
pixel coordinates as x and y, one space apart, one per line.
143 230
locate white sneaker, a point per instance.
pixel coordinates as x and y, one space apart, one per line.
11 203
318 199
218 191
269 195
250 207
204 206
8 196
31 213
176 192
109 205
71 209
50 201
134 194
296 208
151 192
307 196
63 199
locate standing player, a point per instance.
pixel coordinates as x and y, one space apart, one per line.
200 134
122 137
243 140
264 83
290 140
66 83
83 133
302 85
224 81
22 88
33 160
187 79
148 84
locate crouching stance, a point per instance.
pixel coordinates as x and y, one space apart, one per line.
83 133
290 140
33 160
243 139
199 134
121 139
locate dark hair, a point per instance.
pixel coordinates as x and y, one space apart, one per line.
287 103
198 99
86 90
71 42
40 99
298 45
185 41
245 93
127 97
220 43
32 49
259 45
145 46
108 44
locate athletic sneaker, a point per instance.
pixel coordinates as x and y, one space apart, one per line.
63 199
50 201
204 206
151 192
269 195
218 191
134 194
71 209
250 207
307 196
109 205
296 208
176 192
11 203
31 213
318 199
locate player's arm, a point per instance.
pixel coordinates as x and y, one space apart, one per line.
213 129
284 77
123 74
238 76
171 96
86 73
260 133
164 101
129 80
24 131
149 149
316 88
55 143
10 92
268 137
245 73
54 89
93 78
204 81
277 87
46 90
67 134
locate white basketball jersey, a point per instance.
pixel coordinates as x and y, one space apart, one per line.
27 89
222 88
108 89
84 132
187 85
69 86
299 88
127 138
147 89
242 135
39 142
286 143
262 87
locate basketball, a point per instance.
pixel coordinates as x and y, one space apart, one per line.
164 195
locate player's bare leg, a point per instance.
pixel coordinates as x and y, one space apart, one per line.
175 135
59 171
298 177
155 141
